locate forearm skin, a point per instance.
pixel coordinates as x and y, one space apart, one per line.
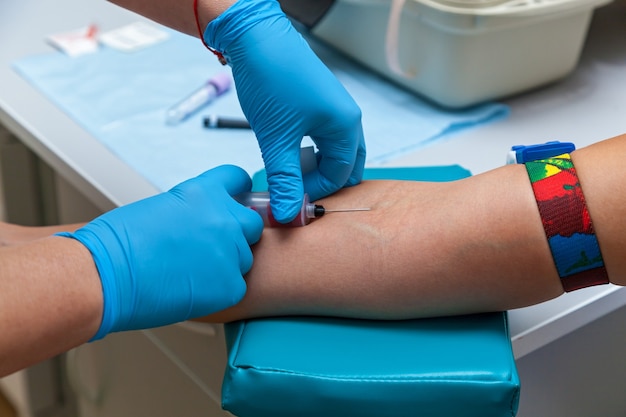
431 249
13 234
50 300
177 14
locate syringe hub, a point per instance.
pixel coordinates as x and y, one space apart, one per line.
314 210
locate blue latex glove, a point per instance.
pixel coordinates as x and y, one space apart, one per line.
174 256
287 93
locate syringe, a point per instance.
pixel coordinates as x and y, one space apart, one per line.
260 202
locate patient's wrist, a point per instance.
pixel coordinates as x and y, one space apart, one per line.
14 234
210 9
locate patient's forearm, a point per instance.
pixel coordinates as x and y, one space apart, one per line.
13 234
430 248
50 300
425 249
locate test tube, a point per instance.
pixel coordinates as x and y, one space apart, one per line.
260 202
199 98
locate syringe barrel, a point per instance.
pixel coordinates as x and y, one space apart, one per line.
260 202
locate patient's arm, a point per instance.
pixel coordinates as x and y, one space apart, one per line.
13 234
427 249
177 14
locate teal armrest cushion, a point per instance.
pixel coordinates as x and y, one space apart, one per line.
311 366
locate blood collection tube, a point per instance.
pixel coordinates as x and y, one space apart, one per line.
208 92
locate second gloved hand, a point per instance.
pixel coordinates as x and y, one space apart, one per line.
287 93
175 256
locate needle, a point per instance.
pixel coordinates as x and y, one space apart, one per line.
349 209
319 211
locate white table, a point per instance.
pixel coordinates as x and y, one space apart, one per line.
586 107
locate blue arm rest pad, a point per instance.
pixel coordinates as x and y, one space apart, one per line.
311 366
326 367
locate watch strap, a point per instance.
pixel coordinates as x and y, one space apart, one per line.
566 222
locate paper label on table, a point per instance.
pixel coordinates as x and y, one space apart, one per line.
76 42
134 36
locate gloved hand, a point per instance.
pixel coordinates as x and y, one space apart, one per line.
174 256
286 93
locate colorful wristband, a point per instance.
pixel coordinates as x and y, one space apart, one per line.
567 223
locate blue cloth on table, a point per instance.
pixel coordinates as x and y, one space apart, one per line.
121 99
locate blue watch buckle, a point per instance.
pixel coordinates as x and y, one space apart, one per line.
520 154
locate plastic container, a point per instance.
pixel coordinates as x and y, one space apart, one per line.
459 53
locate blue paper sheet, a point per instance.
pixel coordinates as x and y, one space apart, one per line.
121 99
